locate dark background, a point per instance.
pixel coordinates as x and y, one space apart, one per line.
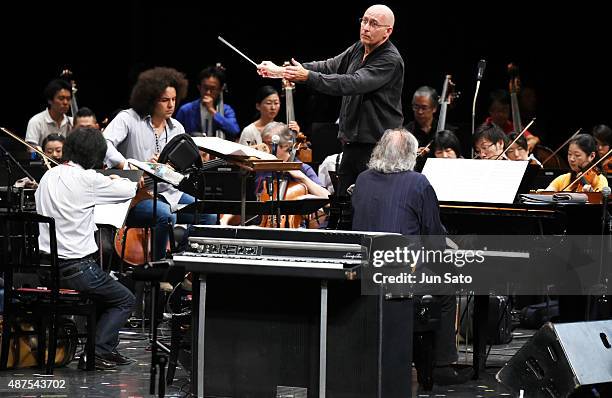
561 52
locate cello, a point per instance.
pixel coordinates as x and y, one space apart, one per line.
302 145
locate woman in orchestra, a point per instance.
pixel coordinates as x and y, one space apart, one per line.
603 136
267 103
520 150
581 154
53 146
446 145
306 175
489 141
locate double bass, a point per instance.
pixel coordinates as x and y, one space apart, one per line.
68 75
448 96
301 146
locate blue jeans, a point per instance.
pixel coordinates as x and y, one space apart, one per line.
114 302
140 215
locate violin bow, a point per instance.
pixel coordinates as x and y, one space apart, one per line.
45 157
516 139
582 174
562 145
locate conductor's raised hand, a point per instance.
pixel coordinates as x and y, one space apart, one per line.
270 69
295 72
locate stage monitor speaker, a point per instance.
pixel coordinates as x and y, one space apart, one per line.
563 360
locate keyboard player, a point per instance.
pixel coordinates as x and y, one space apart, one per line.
391 197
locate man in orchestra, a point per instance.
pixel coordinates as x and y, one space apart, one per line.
85 117
69 193
141 133
53 146
499 115
52 120
208 114
369 76
391 197
489 141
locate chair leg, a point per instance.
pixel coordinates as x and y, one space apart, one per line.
52 342
175 346
41 342
90 345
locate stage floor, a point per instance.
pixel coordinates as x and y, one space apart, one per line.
134 380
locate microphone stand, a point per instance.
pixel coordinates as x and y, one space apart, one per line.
474 111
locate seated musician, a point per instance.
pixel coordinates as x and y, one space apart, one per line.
519 150
53 145
391 197
581 154
446 145
141 133
68 193
499 115
489 141
306 175
603 136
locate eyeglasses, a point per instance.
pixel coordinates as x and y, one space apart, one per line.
483 148
416 107
372 22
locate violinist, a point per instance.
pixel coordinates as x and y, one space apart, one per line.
582 152
209 114
141 133
69 194
53 146
489 141
499 115
267 103
603 136
519 150
52 120
446 145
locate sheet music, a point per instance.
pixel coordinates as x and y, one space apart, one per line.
230 148
112 214
474 180
161 171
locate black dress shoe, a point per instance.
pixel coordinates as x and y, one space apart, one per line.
448 375
116 358
100 364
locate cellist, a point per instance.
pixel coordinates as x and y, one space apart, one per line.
581 154
141 133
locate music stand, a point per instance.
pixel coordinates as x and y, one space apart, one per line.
157 172
248 159
287 207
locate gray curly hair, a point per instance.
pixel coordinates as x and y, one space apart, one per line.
395 152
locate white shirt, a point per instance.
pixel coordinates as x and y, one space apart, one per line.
68 193
41 125
329 164
250 135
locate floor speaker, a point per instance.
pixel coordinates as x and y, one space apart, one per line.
563 360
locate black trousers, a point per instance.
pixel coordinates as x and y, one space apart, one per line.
355 158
